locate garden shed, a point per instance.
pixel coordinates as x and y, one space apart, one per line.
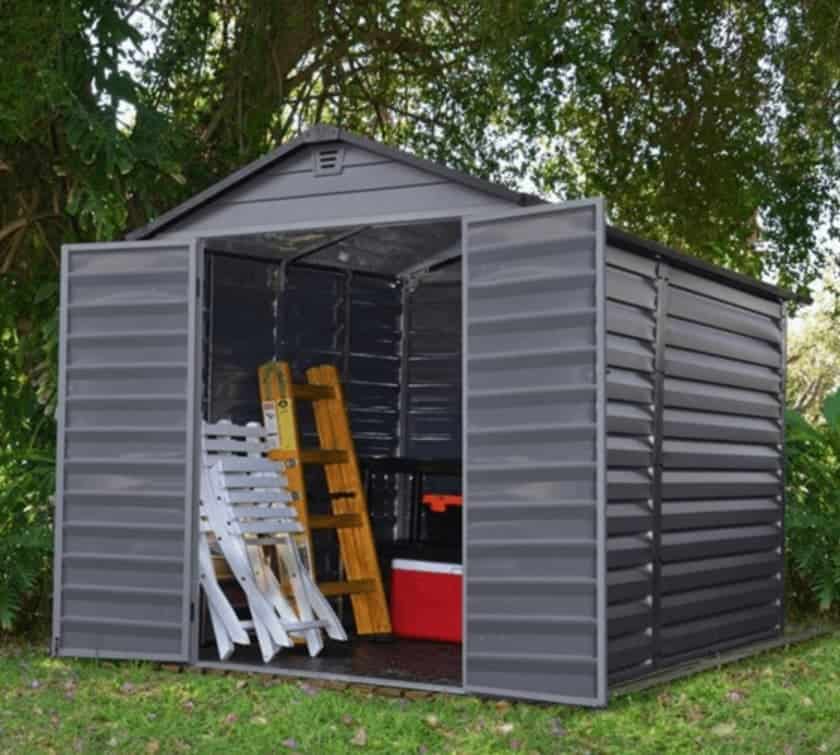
608 411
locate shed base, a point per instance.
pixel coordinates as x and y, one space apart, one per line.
707 662
411 664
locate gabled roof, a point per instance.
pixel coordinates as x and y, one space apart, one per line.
323 134
317 135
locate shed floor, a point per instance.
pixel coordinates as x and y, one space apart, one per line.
395 660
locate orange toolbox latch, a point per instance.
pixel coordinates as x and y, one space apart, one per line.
439 502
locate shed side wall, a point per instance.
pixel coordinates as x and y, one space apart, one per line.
696 485
722 468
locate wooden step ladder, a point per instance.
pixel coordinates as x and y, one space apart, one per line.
349 518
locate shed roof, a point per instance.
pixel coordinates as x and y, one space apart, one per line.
323 134
318 135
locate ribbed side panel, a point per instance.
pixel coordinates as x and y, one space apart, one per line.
722 487
631 343
123 529
533 446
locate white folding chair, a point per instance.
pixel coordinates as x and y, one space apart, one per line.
246 501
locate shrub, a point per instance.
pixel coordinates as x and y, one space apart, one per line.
26 539
28 338
813 508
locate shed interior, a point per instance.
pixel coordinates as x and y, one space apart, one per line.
382 304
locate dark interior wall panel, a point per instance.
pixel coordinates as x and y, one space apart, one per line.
631 385
318 319
433 381
722 468
321 317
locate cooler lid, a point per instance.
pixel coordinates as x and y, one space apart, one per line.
408 564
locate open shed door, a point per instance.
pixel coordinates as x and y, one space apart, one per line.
127 420
534 454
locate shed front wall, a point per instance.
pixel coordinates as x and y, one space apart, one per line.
293 191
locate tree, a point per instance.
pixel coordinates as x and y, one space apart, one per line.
709 124
814 349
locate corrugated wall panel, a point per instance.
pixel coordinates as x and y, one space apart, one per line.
722 465
631 386
127 417
534 450
695 464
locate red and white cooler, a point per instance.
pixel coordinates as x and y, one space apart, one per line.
426 600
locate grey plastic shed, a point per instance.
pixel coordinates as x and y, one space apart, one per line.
617 407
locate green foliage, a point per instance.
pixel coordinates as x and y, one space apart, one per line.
697 120
813 348
813 507
25 547
27 440
712 126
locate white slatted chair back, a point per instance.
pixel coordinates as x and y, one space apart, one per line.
256 487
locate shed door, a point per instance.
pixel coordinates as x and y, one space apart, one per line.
534 454
127 420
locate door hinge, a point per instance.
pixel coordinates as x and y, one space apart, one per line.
192 612
56 644
198 288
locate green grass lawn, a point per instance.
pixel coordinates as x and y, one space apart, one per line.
780 702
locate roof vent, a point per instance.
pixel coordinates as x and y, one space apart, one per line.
329 161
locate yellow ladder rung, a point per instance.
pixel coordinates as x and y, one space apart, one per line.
323 456
312 392
334 521
310 456
350 587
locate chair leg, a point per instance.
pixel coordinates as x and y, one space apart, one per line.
273 592
292 567
216 599
270 633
